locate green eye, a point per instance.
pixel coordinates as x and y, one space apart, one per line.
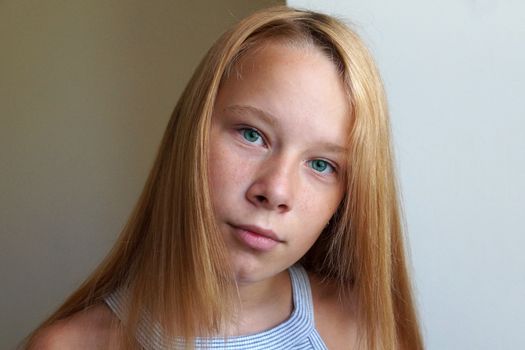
321 166
250 135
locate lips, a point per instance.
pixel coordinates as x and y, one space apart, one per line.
256 237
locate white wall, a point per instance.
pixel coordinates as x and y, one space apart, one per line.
455 76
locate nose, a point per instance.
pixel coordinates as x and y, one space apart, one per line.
274 186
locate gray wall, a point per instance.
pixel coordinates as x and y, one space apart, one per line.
86 89
455 75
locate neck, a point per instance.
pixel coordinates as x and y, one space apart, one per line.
263 304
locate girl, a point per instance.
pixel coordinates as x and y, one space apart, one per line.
270 219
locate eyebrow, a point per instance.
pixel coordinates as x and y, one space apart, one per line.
270 119
333 148
239 109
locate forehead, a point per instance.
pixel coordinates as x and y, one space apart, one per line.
253 50
297 82
266 50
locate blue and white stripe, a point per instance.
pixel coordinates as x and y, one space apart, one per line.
297 332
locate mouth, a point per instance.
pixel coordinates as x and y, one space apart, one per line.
256 237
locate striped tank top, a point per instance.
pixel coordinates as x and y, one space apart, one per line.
298 332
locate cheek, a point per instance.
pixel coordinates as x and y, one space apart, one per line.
218 163
225 168
229 173
317 208
319 198
219 171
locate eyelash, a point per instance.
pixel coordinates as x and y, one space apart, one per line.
245 129
329 164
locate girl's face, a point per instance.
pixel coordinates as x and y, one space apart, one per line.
277 156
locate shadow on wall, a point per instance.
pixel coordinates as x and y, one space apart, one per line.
86 91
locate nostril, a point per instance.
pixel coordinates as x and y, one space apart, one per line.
283 207
260 198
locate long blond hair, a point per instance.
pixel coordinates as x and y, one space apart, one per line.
170 256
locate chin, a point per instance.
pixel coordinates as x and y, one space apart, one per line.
249 269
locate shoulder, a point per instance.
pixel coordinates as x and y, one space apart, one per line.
335 321
93 328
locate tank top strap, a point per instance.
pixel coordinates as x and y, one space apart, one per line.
298 332
302 292
303 303
148 333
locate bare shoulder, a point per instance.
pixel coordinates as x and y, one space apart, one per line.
335 322
93 328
